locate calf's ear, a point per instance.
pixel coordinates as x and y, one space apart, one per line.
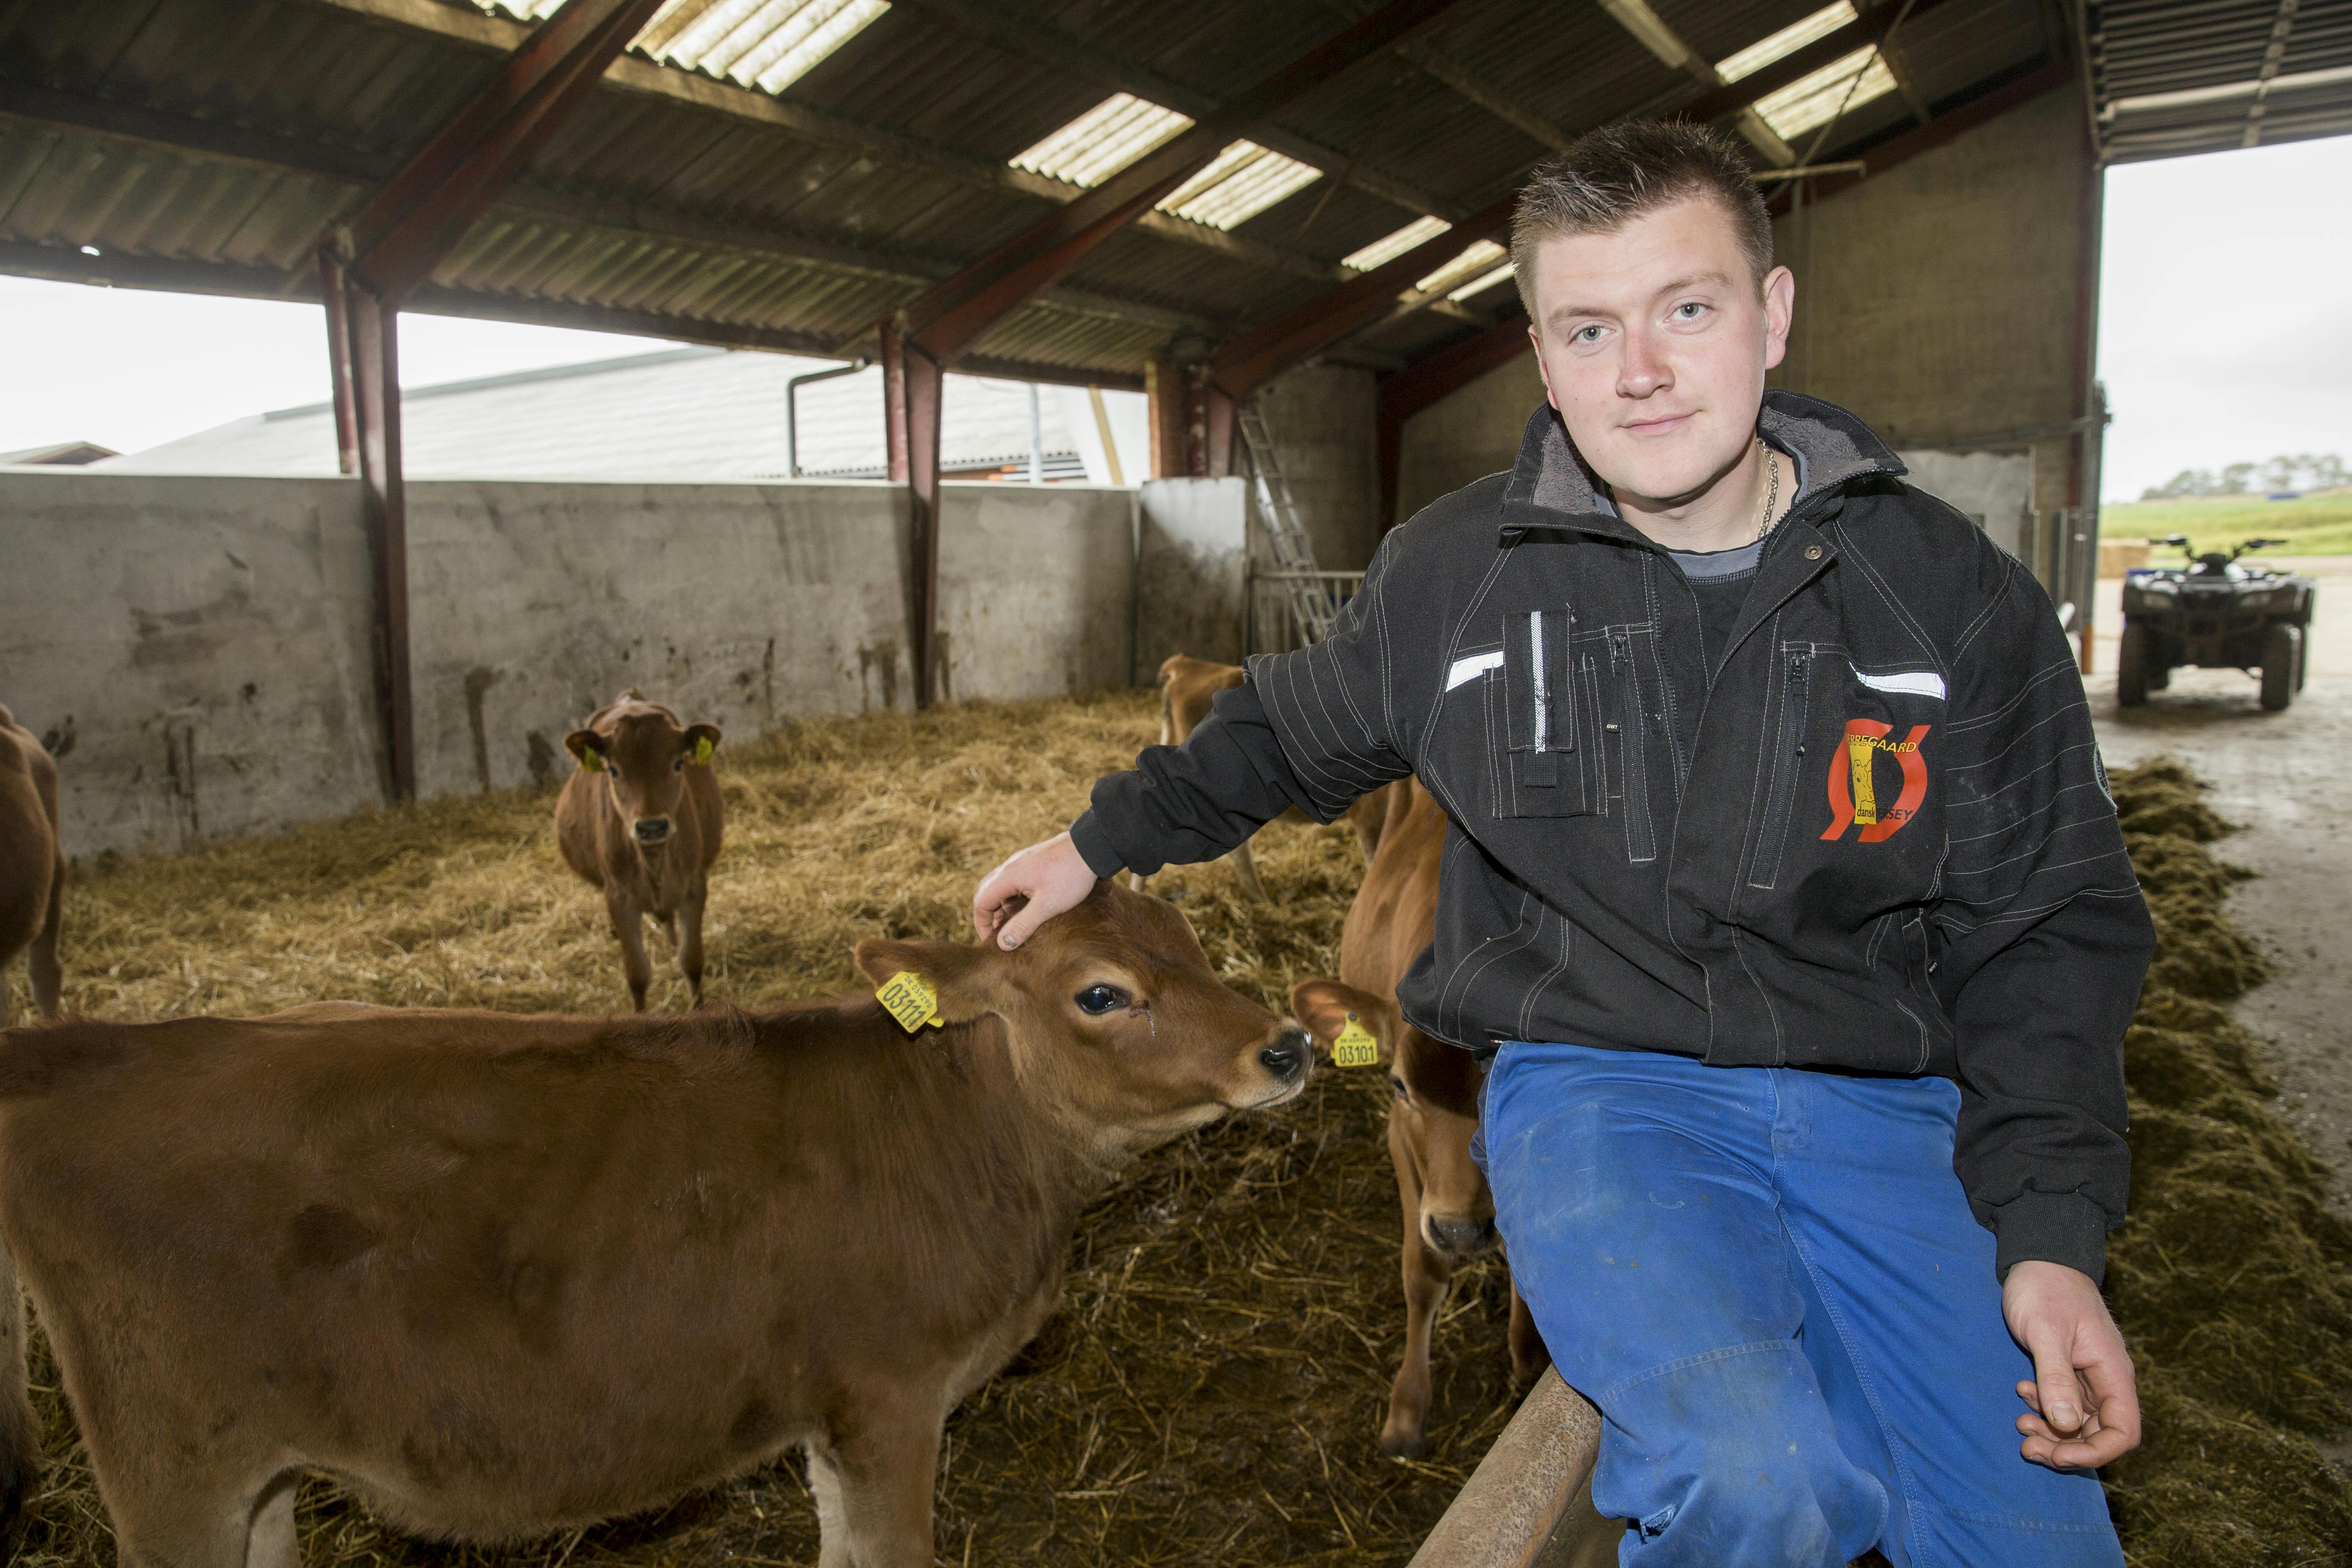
699 742
588 747
965 977
1327 1008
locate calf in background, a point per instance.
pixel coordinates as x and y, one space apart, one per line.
641 821
1188 688
32 865
1448 1212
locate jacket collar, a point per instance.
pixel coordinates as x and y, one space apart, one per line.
1551 486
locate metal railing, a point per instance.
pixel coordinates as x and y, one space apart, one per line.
1288 610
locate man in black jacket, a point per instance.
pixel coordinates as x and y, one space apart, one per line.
1782 890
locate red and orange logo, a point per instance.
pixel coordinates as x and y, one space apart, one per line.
1853 784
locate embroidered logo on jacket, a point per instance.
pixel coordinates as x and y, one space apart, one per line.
1854 781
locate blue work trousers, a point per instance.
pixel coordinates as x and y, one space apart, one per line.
1769 1282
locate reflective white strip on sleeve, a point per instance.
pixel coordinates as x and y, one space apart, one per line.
1914 683
1478 663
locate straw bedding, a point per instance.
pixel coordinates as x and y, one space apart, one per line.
1211 1390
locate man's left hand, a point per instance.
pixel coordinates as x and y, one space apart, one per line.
2085 1399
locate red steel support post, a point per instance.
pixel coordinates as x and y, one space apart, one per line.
911 383
391 245
339 362
371 334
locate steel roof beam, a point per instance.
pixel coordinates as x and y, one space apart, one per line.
424 210
1443 68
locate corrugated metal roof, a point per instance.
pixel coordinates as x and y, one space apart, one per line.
212 144
2174 78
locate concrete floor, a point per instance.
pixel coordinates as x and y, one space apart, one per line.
2281 777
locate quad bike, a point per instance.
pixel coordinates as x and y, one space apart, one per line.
2217 614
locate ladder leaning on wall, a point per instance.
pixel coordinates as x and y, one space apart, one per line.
1312 596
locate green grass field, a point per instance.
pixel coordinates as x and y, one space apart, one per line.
2315 525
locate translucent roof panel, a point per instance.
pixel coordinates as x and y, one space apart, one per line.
1479 284
765 44
1388 248
1103 141
1480 258
1240 182
1813 100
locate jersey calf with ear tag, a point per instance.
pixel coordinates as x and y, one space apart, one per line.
641 821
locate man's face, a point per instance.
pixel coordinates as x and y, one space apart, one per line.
1653 341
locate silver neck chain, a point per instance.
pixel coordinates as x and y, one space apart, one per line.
1771 496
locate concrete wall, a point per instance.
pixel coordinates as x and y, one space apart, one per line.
1193 551
204 640
1468 436
1938 300
207 639
1323 419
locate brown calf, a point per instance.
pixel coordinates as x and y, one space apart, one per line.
641 820
1449 1214
1187 687
32 866
511 1275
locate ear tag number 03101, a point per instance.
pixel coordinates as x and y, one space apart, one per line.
910 999
1355 1048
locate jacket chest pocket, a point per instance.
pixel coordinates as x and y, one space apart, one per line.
1540 754
1631 716
1784 736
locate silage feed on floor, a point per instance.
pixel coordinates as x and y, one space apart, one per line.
1211 1390
2232 1278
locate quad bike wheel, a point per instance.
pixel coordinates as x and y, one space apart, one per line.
2131 667
2281 661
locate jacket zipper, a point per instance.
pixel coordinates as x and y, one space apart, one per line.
1639 842
1786 766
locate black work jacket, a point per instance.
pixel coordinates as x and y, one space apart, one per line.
1878 838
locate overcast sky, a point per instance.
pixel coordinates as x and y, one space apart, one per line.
2225 332
2225 310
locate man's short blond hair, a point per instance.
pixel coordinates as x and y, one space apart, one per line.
1608 177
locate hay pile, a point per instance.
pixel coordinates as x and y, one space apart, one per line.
1211 1388
2232 1279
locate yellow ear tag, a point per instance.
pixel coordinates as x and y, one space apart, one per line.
702 751
911 999
592 759
1355 1048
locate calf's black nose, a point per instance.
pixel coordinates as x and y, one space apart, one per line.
651 829
1286 1058
1454 1233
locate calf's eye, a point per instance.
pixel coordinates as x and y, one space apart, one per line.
1396 1087
678 766
1098 1000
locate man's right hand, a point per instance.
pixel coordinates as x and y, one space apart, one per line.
1052 875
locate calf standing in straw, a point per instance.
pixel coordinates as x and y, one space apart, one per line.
641 821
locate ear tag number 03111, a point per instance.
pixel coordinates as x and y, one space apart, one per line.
910 999
1355 1048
